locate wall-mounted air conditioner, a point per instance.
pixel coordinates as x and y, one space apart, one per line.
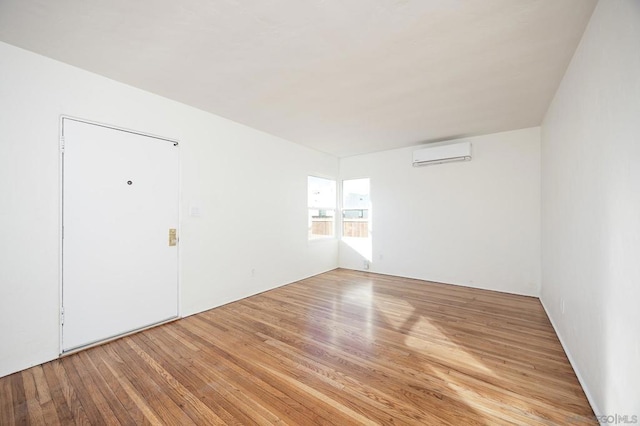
442 154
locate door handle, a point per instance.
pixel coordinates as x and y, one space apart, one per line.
173 237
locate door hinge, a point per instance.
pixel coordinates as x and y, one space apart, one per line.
62 144
62 316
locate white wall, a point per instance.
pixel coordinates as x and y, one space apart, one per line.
229 170
591 209
473 223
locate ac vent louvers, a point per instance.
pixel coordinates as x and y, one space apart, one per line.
442 154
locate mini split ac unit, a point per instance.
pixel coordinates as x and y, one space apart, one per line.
442 154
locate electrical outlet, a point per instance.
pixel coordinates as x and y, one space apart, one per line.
366 264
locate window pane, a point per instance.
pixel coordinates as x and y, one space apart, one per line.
321 223
356 203
322 205
322 192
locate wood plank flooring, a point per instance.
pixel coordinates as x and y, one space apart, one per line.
340 348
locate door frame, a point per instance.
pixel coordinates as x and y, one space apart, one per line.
61 142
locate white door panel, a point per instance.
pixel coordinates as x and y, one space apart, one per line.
119 272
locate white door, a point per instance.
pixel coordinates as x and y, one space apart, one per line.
120 201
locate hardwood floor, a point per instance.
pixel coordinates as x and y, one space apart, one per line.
340 348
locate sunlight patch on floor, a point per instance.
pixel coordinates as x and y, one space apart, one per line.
396 321
427 348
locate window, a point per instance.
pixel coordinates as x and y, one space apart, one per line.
322 207
356 204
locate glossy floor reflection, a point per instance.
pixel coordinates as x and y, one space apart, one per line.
340 348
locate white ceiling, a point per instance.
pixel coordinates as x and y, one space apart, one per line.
342 76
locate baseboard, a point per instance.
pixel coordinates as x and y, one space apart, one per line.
576 370
458 284
264 290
